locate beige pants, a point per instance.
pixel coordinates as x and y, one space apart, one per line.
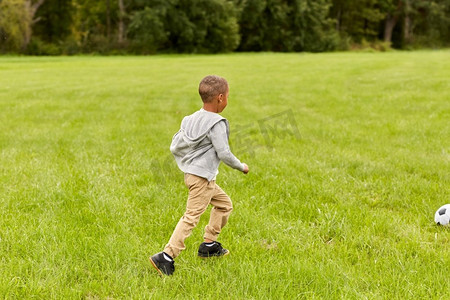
201 193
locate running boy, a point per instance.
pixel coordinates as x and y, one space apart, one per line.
198 148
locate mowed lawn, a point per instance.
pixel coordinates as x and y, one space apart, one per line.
348 155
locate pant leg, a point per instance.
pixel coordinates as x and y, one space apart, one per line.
200 194
222 207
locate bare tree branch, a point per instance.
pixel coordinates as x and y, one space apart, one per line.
33 7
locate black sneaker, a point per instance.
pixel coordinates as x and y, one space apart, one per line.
162 265
212 249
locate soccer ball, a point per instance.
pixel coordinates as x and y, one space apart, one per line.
442 215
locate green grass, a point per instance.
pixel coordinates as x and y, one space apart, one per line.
345 210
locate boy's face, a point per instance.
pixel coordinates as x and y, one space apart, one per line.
223 101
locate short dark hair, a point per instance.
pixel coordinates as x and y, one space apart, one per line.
211 86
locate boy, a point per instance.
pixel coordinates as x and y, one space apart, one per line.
198 148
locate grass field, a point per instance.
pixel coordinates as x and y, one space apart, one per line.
348 156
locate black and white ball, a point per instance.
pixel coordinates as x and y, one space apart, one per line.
442 215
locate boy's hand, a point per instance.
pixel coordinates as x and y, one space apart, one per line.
245 169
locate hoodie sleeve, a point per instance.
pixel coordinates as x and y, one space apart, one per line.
219 138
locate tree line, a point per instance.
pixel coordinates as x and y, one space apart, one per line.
52 27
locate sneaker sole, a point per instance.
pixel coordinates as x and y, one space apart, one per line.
157 269
205 257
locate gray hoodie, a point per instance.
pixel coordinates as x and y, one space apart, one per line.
201 143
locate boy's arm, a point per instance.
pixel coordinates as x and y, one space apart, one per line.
219 139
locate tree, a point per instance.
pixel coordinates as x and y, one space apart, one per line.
202 26
90 21
359 19
55 21
312 28
429 23
407 22
121 24
425 22
393 11
31 8
14 25
190 26
194 26
263 25
286 25
17 18
147 30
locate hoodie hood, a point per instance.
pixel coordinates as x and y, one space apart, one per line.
193 148
196 126
192 135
